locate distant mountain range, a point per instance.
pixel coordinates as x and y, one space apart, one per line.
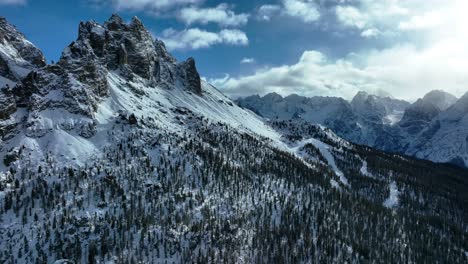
434 127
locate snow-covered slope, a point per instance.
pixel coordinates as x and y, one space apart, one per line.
424 110
18 56
66 109
445 138
332 112
367 119
379 110
432 128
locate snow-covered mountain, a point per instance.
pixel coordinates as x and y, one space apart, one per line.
379 110
424 110
120 153
445 137
335 113
111 71
431 128
18 56
367 119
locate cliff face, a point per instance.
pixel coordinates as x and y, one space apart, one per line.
78 82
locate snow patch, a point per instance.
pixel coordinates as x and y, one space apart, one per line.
364 171
4 81
393 118
393 199
325 151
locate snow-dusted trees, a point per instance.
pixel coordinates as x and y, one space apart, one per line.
220 196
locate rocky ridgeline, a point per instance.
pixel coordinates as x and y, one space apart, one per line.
17 55
433 128
78 81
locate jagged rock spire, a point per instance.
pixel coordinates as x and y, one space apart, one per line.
81 75
115 22
192 77
132 49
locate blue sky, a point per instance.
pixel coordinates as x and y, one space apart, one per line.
309 47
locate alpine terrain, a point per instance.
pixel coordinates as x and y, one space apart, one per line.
119 153
433 128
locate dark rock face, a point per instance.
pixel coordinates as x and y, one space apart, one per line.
88 130
123 55
79 81
7 103
132 120
11 157
130 47
5 69
192 77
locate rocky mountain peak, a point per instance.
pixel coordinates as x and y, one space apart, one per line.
18 56
136 24
273 97
79 82
361 95
418 116
440 99
420 113
131 49
115 22
378 109
458 110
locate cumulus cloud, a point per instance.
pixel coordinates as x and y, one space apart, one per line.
222 14
351 16
195 38
427 20
13 2
397 15
404 71
305 10
265 12
247 61
370 33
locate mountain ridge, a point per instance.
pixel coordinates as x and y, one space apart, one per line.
381 122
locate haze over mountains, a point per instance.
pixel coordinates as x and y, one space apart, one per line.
119 153
433 127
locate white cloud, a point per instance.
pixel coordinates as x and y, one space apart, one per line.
13 2
371 17
370 33
195 38
306 10
398 15
427 20
265 12
247 61
404 71
222 14
351 16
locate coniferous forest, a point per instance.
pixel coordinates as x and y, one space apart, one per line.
220 196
